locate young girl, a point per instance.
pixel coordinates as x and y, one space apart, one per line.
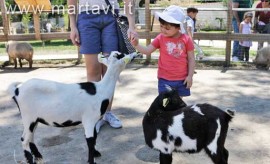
176 60
245 28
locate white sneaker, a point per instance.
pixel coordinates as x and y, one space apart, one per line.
235 59
112 120
99 124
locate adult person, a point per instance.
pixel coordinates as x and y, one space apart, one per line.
237 19
48 26
262 20
94 30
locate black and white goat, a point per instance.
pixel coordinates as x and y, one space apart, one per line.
171 126
61 105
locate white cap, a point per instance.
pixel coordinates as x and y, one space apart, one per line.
173 14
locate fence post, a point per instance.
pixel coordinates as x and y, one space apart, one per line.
37 26
5 19
148 26
229 32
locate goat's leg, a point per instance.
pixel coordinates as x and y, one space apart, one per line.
30 63
20 61
91 136
29 145
225 155
33 147
15 63
220 158
96 153
25 144
165 158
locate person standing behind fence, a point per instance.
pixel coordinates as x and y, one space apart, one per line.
237 18
48 26
245 28
190 28
262 20
94 30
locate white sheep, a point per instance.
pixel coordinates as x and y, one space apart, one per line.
20 50
171 126
61 105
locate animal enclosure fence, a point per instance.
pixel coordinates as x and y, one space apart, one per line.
145 33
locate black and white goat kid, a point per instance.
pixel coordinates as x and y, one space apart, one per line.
171 126
61 105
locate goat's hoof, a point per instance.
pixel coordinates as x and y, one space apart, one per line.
97 153
39 161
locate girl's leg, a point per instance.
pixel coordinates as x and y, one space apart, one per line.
247 53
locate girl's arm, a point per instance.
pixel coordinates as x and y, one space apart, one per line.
147 50
191 69
240 28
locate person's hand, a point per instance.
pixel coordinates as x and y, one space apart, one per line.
132 34
134 42
188 82
74 36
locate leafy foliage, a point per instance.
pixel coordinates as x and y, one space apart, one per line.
58 2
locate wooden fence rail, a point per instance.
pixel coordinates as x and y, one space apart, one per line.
144 34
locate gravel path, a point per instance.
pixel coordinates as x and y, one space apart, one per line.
246 91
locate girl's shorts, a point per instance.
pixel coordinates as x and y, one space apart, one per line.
178 85
98 32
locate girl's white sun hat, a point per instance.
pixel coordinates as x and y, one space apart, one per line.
173 14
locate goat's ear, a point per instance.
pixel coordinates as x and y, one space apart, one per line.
102 59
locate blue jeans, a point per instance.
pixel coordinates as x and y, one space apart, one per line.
235 51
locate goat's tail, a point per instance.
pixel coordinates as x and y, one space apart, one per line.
230 114
12 88
13 91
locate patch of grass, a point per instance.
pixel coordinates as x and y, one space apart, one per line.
53 47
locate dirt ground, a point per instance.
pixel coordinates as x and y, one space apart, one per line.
246 91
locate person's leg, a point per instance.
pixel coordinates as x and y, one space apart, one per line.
200 54
247 53
241 52
235 50
93 67
109 43
89 29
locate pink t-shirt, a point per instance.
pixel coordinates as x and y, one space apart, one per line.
173 59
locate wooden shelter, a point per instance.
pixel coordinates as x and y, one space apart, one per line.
34 5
